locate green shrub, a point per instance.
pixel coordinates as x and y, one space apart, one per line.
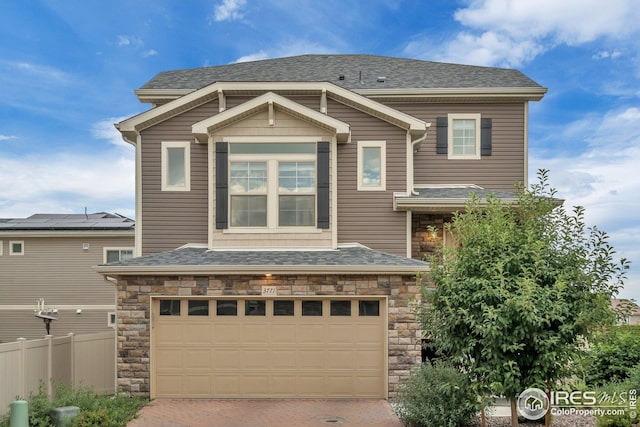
95 409
612 355
437 395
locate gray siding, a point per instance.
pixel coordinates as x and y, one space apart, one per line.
367 217
500 171
60 271
170 219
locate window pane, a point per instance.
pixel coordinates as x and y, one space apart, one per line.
254 307
126 254
464 137
248 211
170 307
113 256
198 307
283 308
369 308
297 177
312 308
272 148
227 307
175 167
341 308
297 211
248 177
371 166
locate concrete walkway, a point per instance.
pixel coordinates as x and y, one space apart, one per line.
266 413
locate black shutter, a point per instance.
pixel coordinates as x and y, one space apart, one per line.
222 186
485 137
323 184
442 142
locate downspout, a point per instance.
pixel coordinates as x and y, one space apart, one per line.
415 146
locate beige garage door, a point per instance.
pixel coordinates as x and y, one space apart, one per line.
282 347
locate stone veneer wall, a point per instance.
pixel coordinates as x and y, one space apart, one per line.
133 313
423 241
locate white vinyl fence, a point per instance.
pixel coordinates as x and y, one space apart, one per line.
73 360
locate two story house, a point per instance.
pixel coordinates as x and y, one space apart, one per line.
46 265
283 210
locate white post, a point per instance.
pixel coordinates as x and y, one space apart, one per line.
73 359
23 369
49 339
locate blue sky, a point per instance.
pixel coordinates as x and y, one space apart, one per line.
68 70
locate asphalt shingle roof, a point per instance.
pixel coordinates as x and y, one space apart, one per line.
459 193
94 221
358 71
344 256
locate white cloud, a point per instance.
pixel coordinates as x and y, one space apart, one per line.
7 137
229 10
105 129
124 40
43 72
605 54
148 53
45 183
257 56
511 33
603 178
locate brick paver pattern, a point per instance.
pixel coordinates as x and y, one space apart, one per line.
266 413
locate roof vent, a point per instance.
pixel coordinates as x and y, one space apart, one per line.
341 77
382 79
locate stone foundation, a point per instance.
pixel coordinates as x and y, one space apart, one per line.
133 315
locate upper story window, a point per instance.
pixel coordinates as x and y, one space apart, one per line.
272 185
16 248
117 254
176 166
372 165
464 136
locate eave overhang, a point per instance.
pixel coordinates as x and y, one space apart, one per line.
131 127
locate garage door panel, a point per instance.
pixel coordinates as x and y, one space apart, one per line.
226 359
269 356
169 358
197 359
196 334
227 333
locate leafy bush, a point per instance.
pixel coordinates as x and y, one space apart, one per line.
612 355
95 409
436 395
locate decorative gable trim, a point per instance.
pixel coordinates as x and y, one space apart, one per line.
132 126
207 127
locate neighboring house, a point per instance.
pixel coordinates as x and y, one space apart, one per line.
46 265
284 208
629 309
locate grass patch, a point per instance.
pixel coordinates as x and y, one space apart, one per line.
95 409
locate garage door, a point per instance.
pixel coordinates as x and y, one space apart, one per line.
268 348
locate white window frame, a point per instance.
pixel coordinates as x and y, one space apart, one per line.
115 318
382 145
272 193
11 243
186 145
120 249
465 116
1 245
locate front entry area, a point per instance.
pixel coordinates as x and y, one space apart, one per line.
263 347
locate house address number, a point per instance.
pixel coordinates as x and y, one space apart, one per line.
269 291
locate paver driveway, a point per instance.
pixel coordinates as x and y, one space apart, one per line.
266 413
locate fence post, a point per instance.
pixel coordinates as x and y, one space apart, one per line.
72 337
49 339
23 367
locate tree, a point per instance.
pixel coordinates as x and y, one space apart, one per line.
513 302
